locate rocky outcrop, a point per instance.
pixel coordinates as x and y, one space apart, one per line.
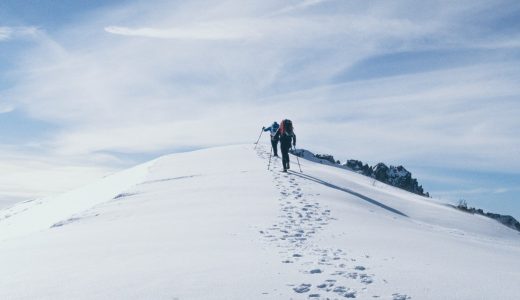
507 220
395 176
358 166
398 177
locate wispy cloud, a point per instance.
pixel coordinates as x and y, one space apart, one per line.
7 33
203 73
298 6
26 175
207 31
5 108
457 194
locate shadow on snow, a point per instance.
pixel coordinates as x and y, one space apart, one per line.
330 185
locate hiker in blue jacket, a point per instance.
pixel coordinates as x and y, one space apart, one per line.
274 140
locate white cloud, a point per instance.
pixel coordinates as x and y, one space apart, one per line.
32 175
212 73
457 194
298 6
7 33
5 108
208 31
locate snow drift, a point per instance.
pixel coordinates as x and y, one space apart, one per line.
216 224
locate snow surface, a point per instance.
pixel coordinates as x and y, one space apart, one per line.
216 224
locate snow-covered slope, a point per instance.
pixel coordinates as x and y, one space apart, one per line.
216 224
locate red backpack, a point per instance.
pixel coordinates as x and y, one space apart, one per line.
286 127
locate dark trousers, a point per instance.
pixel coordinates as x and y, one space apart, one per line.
285 155
274 143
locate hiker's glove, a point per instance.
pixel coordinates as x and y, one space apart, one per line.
263 128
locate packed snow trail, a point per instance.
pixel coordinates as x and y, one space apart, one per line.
333 273
215 224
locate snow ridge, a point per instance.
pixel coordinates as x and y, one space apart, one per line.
40 214
216 224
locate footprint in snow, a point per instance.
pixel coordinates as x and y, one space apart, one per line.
302 288
366 279
398 296
345 292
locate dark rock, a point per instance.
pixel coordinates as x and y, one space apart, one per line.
507 220
398 177
354 165
381 172
326 157
357 166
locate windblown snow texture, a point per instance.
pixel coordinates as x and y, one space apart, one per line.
216 224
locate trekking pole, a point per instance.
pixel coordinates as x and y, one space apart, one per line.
294 150
256 144
269 165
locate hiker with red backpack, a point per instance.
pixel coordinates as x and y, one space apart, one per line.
287 137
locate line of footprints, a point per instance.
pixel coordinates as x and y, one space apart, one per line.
300 219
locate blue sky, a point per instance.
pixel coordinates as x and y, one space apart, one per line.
90 87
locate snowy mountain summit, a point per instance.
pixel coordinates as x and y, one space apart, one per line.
216 224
